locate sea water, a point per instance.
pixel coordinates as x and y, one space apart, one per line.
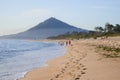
20 56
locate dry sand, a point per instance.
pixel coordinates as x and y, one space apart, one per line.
81 62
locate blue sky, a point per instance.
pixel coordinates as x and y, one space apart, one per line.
20 15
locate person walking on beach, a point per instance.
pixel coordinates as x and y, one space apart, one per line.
66 43
69 42
61 43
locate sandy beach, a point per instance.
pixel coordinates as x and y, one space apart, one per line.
82 61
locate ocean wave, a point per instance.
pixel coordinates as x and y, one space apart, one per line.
19 56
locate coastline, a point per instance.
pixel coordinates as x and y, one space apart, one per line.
80 62
41 69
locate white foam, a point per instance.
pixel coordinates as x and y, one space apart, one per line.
16 67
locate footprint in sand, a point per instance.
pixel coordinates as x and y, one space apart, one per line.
84 68
77 78
82 72
57 76
82 65
65 67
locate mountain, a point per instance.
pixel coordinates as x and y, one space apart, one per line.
48 28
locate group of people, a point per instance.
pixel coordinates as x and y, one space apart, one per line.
67 42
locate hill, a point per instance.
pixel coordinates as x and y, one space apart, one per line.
48 28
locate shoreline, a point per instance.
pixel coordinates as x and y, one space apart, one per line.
57 66
48 62
80 62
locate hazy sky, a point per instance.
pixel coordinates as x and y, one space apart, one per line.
19 15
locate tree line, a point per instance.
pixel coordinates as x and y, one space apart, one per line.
109 28
99 31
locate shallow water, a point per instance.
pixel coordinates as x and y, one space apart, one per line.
19 56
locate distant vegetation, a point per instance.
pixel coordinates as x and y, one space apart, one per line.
107 30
